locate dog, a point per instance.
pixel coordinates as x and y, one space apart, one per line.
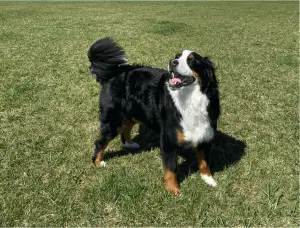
180 104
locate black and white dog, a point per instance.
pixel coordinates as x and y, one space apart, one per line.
180 104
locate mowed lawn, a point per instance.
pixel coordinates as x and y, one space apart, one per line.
49 115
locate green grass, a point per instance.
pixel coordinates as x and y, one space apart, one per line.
49 105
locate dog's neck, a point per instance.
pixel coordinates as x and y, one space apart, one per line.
189 96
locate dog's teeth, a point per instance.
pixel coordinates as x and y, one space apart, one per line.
173 75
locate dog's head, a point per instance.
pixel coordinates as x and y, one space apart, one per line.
189 68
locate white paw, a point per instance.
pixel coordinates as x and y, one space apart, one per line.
131 146
102 164
209 180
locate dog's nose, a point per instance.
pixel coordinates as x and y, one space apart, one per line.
175 62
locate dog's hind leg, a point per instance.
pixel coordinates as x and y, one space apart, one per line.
108 133
100 146
169 158
126 136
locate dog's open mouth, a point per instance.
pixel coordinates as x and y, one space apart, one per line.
177 81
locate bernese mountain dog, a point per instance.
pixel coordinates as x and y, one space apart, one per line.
180 104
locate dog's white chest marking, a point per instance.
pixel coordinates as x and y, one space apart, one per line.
192 104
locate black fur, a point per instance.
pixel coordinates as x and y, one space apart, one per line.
140 93
104 56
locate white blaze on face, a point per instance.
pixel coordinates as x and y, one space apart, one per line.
183 68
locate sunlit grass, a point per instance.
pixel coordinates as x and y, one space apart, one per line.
49 120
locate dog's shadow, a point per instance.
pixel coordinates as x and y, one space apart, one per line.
226 151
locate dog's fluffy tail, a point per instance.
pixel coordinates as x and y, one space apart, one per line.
105 57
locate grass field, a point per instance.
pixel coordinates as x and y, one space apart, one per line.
49 109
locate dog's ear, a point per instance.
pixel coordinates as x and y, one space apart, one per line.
210 69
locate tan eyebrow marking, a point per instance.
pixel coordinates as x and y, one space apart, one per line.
190 57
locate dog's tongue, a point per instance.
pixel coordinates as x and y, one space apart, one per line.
175 81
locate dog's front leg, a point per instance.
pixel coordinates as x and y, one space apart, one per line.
169 159
202 152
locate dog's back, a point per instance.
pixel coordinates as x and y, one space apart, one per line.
134 91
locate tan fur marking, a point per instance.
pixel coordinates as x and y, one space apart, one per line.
198 78
180 137
203 166
190 57
171 182
100 155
